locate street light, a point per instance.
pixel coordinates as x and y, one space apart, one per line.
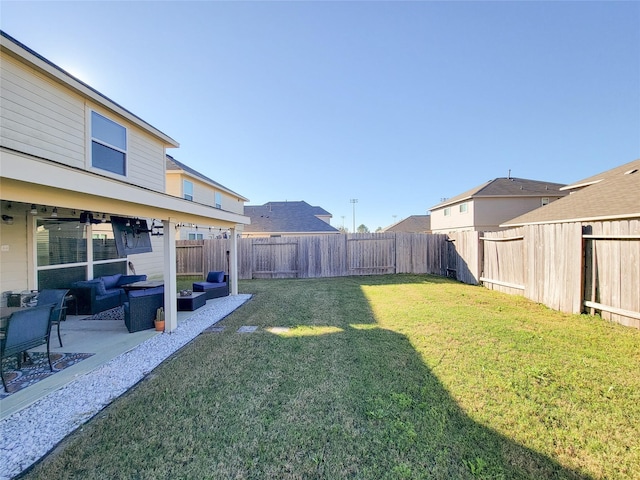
354 201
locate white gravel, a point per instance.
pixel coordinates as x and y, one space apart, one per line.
31 433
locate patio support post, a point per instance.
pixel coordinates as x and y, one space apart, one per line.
170 288
233 268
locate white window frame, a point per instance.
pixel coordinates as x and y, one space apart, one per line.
218 199
91 139
195 235
447 211
185 194
545 201
463 208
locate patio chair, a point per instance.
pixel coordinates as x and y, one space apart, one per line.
59 313
25 329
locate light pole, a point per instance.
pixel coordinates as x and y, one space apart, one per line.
353 202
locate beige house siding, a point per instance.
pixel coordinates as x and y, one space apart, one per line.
38 117
455 221
42 118
483 214
13 253
173 184
146 164
492 212
202 192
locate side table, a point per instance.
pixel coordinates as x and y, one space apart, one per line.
191 302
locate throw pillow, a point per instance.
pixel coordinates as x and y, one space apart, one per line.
215 277
111 281
101 288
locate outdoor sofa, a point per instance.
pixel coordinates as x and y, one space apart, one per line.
102 293
140 308
216 285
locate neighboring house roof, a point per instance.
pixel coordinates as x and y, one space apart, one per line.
411 224
507 187
603 175
175 165
58 74
612 195
287 217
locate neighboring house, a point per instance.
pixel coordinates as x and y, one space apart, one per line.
486 207
71 159
276 219
611 195
185 182
412 224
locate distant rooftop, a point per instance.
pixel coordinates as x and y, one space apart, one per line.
287 217
508 187
411 224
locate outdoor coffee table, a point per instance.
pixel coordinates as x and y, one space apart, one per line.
143 285
191 302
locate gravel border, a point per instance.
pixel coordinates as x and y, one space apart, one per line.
29 434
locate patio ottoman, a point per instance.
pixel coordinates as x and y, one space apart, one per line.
189 303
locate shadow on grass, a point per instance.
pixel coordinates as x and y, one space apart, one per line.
404 423
335 396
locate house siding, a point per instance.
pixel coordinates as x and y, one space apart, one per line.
483 213
14 255
492 212
456 221
38 118
203 193
146 162
41 118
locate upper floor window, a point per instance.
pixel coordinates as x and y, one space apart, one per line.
218 198
463 207
545 201
108 145
447 211
187 190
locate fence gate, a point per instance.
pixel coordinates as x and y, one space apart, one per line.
274 258
371 254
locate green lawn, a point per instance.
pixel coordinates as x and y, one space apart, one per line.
398 376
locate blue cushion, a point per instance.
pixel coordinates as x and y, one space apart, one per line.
84 283
146 292
215 277
101 288
110 281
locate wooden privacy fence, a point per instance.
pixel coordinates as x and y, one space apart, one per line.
317 255
571 267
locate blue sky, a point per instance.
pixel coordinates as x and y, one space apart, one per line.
396 104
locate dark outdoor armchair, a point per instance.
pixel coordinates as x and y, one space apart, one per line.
56 297
25 329
215 286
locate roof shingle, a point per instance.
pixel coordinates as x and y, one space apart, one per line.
287 217
615 195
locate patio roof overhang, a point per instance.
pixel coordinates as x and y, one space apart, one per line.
26 179
32 180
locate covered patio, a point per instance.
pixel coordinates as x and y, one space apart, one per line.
105 340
